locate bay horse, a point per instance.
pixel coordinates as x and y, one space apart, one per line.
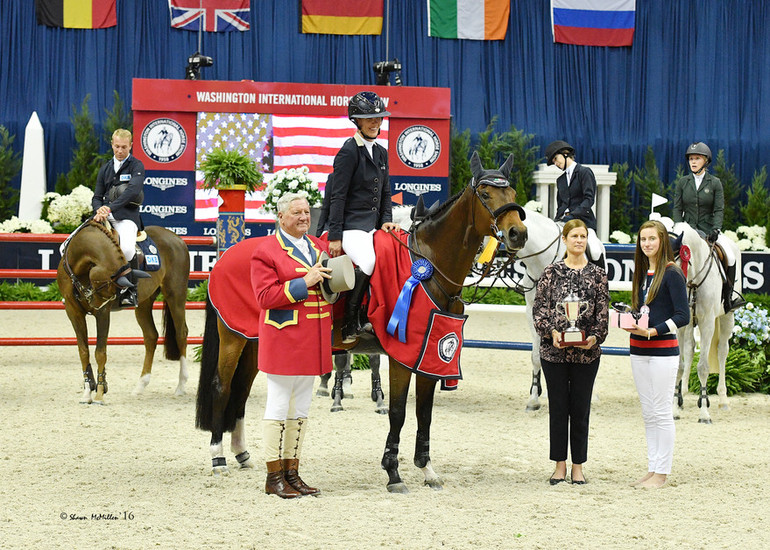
543 247
93 269
704 288
449 237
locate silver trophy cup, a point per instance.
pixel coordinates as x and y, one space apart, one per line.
572 307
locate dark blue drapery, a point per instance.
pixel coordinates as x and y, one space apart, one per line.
698 70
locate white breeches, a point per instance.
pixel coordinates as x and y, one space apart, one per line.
127 234
359 245
655 378
288 397
594 245
726 244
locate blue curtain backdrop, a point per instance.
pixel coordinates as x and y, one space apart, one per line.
698 70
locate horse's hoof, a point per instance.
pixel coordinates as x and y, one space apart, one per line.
398 488
704 421
220 471
533 408
435 484
322 392
247 465
98 402
336 408
724 407
179 392
381 410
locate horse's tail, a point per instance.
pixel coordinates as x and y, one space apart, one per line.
171 346
209 367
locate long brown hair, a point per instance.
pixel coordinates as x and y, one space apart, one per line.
664 259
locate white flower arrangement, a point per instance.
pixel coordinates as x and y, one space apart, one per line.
534 206
291 180
69 209
15 225
620 237
749 237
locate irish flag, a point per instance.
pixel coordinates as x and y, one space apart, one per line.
468 19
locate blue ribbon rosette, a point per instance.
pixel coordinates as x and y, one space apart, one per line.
422 270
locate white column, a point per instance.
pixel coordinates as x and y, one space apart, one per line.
33 180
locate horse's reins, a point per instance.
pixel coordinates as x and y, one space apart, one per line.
85 292
518 286
496 182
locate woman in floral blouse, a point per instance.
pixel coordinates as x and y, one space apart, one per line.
570 370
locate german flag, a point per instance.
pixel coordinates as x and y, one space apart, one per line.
342 16
76 14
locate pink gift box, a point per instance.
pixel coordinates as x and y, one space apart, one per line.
622 319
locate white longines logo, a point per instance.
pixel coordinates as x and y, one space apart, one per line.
163 210
165 183
164 140
418 146
448 346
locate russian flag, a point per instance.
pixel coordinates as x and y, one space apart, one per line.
593 22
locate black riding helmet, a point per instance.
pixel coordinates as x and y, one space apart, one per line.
699 148
366 105
556 147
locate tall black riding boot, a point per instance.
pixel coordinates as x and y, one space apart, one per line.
733 300
352 305
128 297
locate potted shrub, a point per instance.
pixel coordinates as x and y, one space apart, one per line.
230 169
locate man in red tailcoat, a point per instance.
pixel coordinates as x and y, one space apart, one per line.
295 336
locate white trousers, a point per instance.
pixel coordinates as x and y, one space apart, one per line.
655 378
127 234
288 397
359 245
595 246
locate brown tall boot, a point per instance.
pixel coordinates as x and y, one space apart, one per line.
290 474
275 484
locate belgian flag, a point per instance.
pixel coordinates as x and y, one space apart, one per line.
76 14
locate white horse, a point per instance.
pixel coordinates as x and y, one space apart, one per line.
704 287
543 247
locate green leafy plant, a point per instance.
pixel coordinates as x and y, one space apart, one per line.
731 187
10 165
647 181
117 117
620 201
226 168
743 374
493 149
85 162
360 362
757 209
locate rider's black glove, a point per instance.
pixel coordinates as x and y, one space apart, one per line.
713 236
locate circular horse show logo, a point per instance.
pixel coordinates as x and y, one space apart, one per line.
448 346
164 140
418 146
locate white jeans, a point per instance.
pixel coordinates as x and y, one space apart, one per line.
127 234
726 246
655 378
288 397
359 245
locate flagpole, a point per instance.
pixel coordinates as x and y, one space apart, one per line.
200 27
387 29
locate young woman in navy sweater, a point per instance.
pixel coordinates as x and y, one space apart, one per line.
660 286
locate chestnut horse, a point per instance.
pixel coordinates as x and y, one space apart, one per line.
449 237
91 272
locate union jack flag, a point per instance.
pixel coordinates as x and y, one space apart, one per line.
211 15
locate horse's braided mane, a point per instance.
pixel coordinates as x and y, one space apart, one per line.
110 235
440 209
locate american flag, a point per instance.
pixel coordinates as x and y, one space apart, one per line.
292 141
211 15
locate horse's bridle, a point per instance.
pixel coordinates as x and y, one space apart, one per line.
501 183
88 293
693 286
493 181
